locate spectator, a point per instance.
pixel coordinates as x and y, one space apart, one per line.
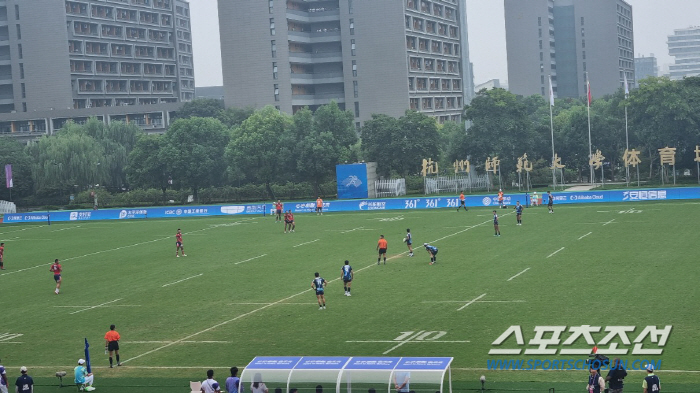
82 377
233 383
25 383
596 383
258 386
651 382
401 380
3 380
319 389
210 385
615 377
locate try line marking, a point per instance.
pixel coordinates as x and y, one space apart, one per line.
313 241
552 254
99 305
609 222
584 235
471 302
250 259
518 274
263 307
184 279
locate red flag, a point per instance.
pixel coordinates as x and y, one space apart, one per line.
595 349
590 99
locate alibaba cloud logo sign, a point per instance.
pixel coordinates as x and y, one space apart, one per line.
486 201
73 216
351 180
122 214
232 209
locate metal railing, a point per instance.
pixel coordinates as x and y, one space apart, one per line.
454 184
390 187
7 207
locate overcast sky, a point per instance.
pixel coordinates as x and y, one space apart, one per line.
654 20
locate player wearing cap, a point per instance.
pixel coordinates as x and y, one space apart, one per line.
112 338
83 377
25 383
432 250
56 270
651 382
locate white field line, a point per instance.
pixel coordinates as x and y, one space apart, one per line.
23 229
471 302
609 222
99 305
411 337
302 244
352 230
552 254
257 304
408 342
518 274
185 342
17 239
265 306
102 252
584 235
112 305
478 301
184 279
250 259
11 342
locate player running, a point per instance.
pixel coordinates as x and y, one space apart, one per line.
317 284
381 247
409 241
432 250
347 275
319 206
500 199
495 224
550 202
519 212
2 256
461 202
278 211
178 244
56 270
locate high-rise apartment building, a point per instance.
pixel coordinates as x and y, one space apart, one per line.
684 45
60 54
573 41
369 56
645 67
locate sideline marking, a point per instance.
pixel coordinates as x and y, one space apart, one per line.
250 259
403 342
609 222
478 301
184 279
113 305
552 254
186 342
99 305
518 274
471 302
313 241
584 235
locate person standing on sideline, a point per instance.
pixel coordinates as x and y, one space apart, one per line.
210 385
319 206
381 247
550 201
401 379
233 383
3 380
258 386
461 202
2 256
519 212
24 383
616 377
596 383
112 344
409 241
317 284
56 269
500 199
651 382
278 211
534 199
347 275
82 377
178 243
432 250
497 232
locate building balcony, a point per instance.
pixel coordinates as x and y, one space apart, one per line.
314 37
320 78
7 99
316 58
317 99
312 17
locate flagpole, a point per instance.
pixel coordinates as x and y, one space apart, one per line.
627 137
590 151
551 128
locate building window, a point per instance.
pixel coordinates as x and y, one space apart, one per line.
352 47
357 109
581 21
540 33
541 56
352 26
272 26
584 55
19 51
540 44
277 92
24 91
539 21
354 88
584 66
354 68
16 11
357 127
542 79
24 107
21 70
19 32
274 48
274 70
271 5
542 90
350 6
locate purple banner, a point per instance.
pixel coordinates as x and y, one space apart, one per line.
8 175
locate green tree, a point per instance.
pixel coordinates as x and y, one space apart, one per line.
148 166
233 117
194 150
12 152
201 107
377 134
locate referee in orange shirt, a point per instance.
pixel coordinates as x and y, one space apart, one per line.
112 344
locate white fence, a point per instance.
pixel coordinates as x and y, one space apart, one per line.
390 188
454 184
7 207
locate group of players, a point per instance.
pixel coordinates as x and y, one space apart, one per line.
289 224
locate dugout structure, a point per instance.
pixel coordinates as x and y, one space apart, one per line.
349 374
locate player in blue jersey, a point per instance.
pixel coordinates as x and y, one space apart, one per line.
432 250
550 202
409 241
519 212
497 232
347 275
317 284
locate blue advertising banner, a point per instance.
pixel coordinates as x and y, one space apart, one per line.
370 363
321 363
424 364
273 362
355 205
352 181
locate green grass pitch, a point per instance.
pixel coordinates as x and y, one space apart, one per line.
244 291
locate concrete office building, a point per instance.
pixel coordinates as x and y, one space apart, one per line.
57 55
645 67
382 56
568 39
684 45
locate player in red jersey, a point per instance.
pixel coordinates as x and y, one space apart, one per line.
289 219
178 244
278 209
56 270
2 256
